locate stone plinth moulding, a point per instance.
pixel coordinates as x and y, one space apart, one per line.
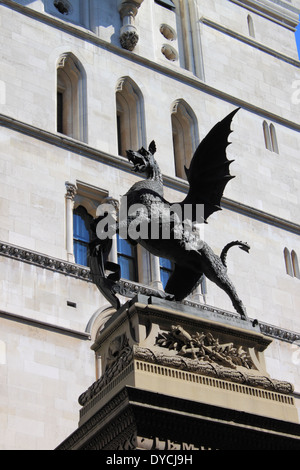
128 34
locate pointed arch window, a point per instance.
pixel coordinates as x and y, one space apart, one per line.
250 26
185 135
291 263
71 98
274 139
270 137
295 264
130 116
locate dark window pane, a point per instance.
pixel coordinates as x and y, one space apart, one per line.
119 134
59 112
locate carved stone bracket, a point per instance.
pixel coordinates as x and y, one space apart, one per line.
128 35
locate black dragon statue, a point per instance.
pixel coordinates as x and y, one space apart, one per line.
171 230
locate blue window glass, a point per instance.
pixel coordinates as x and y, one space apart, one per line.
166 268
127 259
81 235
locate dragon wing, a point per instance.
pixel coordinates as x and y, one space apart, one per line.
209 173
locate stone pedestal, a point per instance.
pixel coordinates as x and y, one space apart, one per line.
183 378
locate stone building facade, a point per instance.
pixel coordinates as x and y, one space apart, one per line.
80 83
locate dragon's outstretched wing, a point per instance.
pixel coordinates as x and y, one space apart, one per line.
209 169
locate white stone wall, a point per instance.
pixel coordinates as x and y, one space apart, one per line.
38 406
35 164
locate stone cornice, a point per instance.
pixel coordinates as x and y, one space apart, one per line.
81 272
44 261
121 163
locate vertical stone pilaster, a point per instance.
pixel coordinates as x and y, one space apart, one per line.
155 273
113 255
71 191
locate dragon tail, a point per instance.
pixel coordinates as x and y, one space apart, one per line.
242 245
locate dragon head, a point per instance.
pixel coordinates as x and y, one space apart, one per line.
143 160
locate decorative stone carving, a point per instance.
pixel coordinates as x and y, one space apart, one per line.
128 35
118 347
63 6
120 355
44 261
211 369
129 40
169 52
71 190
168 32
205 347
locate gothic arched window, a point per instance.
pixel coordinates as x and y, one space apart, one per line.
291 263
130 116
295 264
274 138
250 26
185 136
71 98
270 137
